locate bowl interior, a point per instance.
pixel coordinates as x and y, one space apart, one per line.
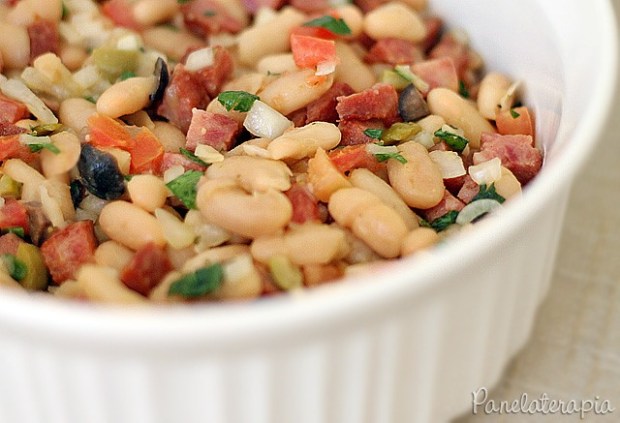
567 78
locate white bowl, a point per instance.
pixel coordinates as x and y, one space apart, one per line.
408 344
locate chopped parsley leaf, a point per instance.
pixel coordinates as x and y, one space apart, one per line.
193 157
17 230
184 187
198 283
456 142
16 268
442 223
209 13
35 148
514 113
374 133
463 91
91 99
382 157
337 26
183 1
424 223
488 193
240 101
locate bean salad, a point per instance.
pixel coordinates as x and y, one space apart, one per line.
211 150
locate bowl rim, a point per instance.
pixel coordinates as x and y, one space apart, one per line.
238 324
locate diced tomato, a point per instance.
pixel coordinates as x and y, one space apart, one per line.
108 132
146 269
9 147
68 249
309 51
146 152
516 121
121 13
352 157
14 215
12 110
305 205
314 31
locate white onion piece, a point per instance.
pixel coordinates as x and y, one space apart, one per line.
425 138
325 68
238 267
176 233
508 99
199 59
208 154
27 139
18 91
256 151
128 42
449 162
475 209
265 122
373 148
487 172
173 172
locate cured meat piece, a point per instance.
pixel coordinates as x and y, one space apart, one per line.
368 5
214 129
450 46
146 269
468 190
434 26
305 204
311 6
204 17
515 151
252 6
324 108
448 203
9 243
68 249
10 112
439 72
177 159
213 77
40 225
394 51
44 38
377 102
353 157
121 13
353 131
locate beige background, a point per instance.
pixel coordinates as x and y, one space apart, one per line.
574 352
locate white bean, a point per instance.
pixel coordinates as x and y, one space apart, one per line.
74 113
493 87
54 164
299 143
419 181
252 173
171 137
151 12
277 63
459 113
147 191
394 20
113 254
126 97
14 46
130 225
294 90
352 70
171 42
417 240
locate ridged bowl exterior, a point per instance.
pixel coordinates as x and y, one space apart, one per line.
405 345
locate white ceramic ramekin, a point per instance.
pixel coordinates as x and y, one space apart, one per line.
407 344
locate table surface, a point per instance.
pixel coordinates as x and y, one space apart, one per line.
574 351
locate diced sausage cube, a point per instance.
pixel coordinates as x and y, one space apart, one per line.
214 129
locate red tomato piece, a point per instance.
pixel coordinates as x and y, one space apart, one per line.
12 110
121 13
9 147
146 152
305 204
516 121
146 269
68 249
13 215
314 31
108 132
309 51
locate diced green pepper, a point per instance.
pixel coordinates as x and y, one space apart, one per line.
36 277
9 187
390 76
285 274
114 62
399 132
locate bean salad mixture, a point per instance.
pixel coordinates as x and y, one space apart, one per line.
210 150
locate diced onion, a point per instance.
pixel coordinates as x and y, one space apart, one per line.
475 209
87 77
18 91
199 59
449 162
325 68
128 42
266 122
264 15
27 139
256 151
173 172
373 148
425 138
208 154
487 172
508 99
176 233
51 208
238 267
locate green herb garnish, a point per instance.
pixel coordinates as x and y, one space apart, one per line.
91 99
198 283
443 222
463 91
382 157
240 101
374 133
183 1
337 26
456 142
514 113
209 13
184 187
193 157
488 193
424 223
17 230
65 11
16 268
35 148
126 75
